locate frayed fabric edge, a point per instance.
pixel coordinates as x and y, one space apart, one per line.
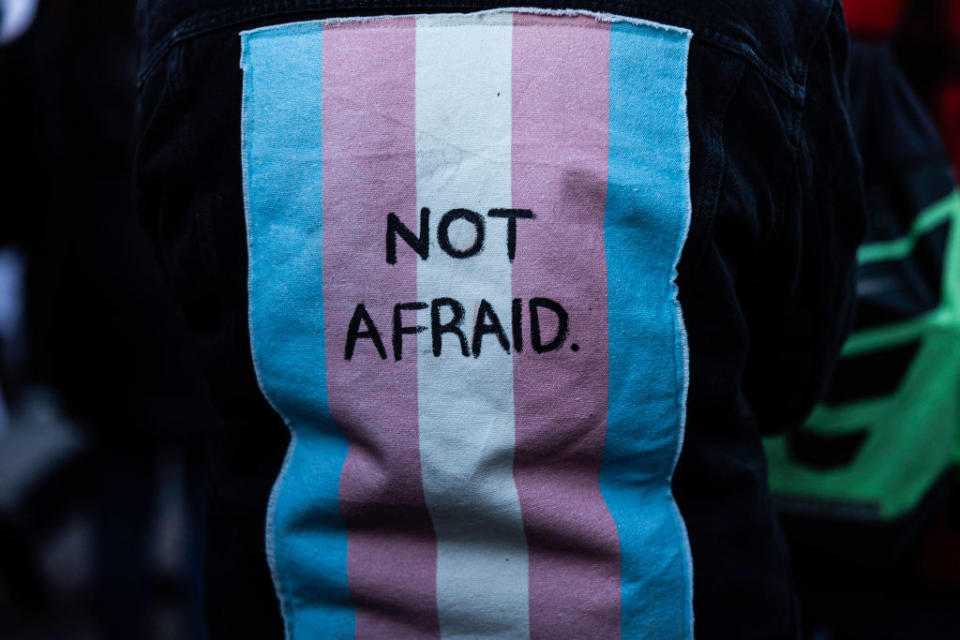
611 18
684 354
681 325
269 525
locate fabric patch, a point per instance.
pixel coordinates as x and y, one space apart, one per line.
463 234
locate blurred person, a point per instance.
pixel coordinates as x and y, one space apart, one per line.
926 40
526 287
15 18
107 406
925 36
865 483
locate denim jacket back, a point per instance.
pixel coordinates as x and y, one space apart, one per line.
765 279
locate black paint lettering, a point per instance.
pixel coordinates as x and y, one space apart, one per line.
443 233
535 340
453 326
399 330
481 328
511 215
354 333
419 244
517 325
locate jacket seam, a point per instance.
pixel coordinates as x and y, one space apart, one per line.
706 213
821 30
800 122
216 20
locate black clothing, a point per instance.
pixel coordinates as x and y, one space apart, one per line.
766 278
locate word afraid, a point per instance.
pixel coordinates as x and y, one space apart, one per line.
446 317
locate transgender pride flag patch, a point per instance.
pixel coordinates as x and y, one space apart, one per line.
463 234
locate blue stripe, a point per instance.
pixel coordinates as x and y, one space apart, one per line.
648 212
282 150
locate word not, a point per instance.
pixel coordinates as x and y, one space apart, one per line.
421 243
487 323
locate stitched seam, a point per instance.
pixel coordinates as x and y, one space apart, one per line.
706 212
800 125
806 70
142 134
212 21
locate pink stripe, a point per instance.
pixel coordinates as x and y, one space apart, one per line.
560 140
369 171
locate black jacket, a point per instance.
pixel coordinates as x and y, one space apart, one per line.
765 280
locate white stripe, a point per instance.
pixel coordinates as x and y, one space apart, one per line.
463 118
